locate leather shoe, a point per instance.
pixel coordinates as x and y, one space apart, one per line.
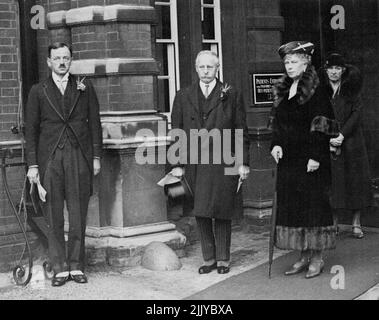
79 277
223 269
207 269
315 269
298 267
59 281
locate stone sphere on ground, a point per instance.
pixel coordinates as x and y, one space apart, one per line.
160 257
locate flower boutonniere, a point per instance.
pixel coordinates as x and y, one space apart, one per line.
80 85
225 91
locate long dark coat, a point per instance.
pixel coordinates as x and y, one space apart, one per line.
350 171
304 217
214 192
48 120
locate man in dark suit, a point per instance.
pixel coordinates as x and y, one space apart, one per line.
212 106
63 148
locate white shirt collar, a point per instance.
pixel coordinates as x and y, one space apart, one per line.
57 79
210 88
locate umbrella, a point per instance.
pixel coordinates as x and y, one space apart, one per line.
273 225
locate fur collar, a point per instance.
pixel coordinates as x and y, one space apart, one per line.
306 88
351 83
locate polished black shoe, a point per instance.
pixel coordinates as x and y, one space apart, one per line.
79 277
315 269
298 267
207 269
59 281
223 269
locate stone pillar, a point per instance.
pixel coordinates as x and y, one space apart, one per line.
259 188
113 46
264 26
133 210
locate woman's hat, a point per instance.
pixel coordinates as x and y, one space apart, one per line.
334 59
296 47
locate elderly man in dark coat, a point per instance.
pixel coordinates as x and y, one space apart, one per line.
63 146
351 190
217 108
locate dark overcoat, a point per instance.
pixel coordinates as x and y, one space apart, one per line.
350 171
214 191
48 120
304 217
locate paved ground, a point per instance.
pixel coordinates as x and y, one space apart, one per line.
105 283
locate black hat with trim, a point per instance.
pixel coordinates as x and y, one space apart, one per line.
293 47
335 59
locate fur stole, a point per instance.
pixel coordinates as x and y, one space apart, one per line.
306 88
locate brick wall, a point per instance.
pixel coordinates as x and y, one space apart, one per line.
84 3
9 87
11 241
111 41
113 96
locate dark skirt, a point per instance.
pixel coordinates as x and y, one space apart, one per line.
351 184
304 214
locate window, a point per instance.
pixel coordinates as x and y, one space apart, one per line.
167 44
167 52
211 28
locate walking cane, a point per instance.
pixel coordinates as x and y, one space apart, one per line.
273 225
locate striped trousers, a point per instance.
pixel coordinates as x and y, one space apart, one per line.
215 238
67 178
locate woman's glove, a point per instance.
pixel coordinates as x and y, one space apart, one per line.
337 142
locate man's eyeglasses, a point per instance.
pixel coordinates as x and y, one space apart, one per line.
57 59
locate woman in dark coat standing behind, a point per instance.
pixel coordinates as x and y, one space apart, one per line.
304 217
351 190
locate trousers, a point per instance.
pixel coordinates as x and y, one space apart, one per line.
67 179
215 238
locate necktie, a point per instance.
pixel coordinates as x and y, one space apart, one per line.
61 87
206 93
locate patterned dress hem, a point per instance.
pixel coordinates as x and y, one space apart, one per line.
315 238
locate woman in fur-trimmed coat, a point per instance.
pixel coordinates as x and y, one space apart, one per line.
304 216
351 191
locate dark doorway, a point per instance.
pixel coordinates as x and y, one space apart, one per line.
28 50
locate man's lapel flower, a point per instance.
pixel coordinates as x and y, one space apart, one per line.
225 91
80 85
